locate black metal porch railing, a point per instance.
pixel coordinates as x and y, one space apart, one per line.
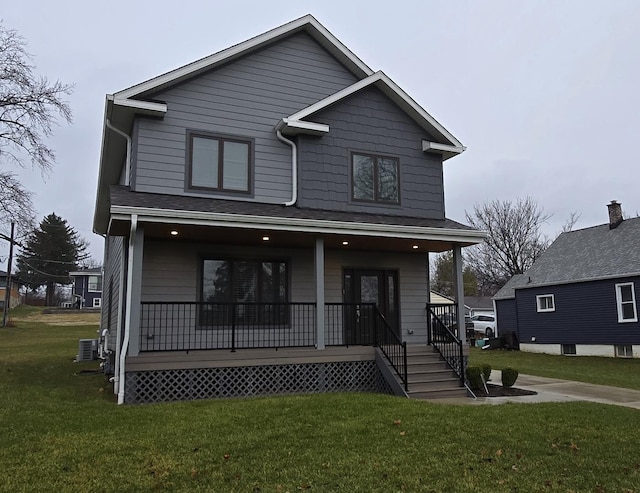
442 323
202 325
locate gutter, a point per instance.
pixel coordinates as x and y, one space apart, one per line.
294 169
127 323
127 170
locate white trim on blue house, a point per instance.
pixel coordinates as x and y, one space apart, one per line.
620 302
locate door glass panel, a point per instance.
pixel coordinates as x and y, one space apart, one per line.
369 289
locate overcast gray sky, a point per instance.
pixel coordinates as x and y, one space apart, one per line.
544 94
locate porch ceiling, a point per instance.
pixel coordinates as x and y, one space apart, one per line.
278 238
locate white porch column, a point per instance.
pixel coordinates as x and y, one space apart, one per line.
319 278
134 292
457 265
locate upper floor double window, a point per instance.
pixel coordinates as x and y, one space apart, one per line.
375 178
219 163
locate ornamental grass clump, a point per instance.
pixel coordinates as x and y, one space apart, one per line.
509 377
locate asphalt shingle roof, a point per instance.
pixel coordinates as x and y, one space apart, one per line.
123 196
583 255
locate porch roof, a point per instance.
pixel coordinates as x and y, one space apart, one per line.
207 212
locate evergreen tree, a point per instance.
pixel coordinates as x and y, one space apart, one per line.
50 252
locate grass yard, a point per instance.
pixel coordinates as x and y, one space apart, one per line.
61 431
617 372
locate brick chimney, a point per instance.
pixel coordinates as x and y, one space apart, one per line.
615 214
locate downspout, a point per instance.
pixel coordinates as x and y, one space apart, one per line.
294 168
127 322
127 168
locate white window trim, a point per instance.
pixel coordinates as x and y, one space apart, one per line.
97 302
553 303
99 281
619 287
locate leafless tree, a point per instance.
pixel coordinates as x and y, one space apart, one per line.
574 217
514 240
29 107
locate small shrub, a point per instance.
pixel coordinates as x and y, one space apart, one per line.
473 376
486 371
509 377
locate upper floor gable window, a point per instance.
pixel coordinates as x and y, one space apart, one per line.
219 163
626 301
374 178
95 283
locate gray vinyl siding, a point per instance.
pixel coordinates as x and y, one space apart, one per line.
506 316
369 122
585 313
112 263
244 98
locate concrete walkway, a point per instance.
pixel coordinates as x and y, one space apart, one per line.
554 390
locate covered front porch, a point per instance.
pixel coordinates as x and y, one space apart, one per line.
226 282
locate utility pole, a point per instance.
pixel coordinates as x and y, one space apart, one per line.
7 290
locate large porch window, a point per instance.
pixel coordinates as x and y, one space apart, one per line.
246 292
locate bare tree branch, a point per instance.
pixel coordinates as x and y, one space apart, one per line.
29 105
513 243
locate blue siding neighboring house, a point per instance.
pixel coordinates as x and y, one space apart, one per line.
87 288
580 296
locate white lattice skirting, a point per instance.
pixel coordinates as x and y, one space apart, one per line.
249 381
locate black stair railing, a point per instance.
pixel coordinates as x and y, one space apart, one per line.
442 323
394 349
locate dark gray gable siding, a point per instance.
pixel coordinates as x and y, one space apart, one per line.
506 316
586 313
244 98
369 122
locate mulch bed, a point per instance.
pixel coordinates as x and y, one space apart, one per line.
500 391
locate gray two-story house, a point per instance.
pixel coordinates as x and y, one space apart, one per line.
268 214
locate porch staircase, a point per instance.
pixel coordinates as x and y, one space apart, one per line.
429 377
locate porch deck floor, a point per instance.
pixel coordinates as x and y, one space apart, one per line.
224 358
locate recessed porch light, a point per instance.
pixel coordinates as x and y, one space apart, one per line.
415 247
265 238
345 243
174 232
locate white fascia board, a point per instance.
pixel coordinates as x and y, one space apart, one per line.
446 150
244 221
395 93
294 127
141 107
307 22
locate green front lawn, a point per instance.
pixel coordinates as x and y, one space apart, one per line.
617 372
61 431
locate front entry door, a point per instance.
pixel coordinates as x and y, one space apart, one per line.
364 291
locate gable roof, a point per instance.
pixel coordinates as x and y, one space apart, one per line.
122 106
294 123
584 255
478 302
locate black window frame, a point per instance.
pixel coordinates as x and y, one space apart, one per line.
221 139
261 317
376 181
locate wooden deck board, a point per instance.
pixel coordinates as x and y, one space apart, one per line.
173 360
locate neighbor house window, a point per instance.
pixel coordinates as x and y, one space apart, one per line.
546 303
626 300
97 302
95 283
375 178
244 292
624 351
219 163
